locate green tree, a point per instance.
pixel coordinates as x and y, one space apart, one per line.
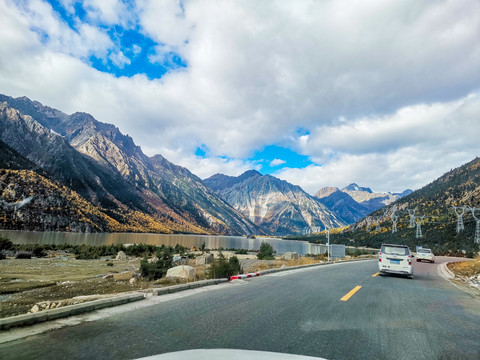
266 251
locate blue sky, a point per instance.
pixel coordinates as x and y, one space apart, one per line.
316 93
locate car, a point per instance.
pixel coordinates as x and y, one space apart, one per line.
425 254
395 259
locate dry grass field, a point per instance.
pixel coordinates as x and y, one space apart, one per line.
466 268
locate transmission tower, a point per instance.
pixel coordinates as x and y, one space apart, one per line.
419 223
477 227
411 212
377 228
460 226
394 222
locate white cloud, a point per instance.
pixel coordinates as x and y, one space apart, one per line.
108 12
119 59
373 82
276 162
391 153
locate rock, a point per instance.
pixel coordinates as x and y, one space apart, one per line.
182 272
53 306
132 281
108 276
204 259
152 260
121 256
283 266
35 309
290 256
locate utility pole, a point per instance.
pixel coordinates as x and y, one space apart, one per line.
327 233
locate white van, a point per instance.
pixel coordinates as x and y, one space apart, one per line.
395 259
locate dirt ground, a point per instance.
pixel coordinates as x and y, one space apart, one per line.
25 282
64 280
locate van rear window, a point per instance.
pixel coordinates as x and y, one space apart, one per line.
394 250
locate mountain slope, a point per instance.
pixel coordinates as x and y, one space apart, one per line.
275 205
152 185
29 201
435 201
343 205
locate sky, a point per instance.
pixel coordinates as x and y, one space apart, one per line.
385 94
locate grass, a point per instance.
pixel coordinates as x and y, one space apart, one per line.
25 282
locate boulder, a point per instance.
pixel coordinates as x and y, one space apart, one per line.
121 256
204 259
290 256
132 281
182 272
35 309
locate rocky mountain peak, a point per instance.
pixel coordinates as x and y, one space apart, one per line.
355 187
325 191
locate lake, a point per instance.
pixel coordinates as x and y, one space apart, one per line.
211 242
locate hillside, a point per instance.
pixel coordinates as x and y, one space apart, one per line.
108 169
435 201
344 206
32 202
276 206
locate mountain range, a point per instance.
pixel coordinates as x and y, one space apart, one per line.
369 200
107 169
274 205
74 157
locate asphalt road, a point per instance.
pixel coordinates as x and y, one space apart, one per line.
296 312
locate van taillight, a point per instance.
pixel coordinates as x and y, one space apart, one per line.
379 257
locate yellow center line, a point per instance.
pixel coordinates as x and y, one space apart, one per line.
350 293
375 274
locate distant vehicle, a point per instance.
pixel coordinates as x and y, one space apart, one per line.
395 259
425 254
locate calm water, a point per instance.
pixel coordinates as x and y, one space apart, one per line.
211 242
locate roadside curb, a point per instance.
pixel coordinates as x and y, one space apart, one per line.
287 268
244 276
70 310
445 272
181 287
52 314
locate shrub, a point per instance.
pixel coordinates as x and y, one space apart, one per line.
241 251
5 244
157 269
109 264
222 268
2 255
38 252
266 251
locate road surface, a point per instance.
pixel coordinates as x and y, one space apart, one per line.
296 312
